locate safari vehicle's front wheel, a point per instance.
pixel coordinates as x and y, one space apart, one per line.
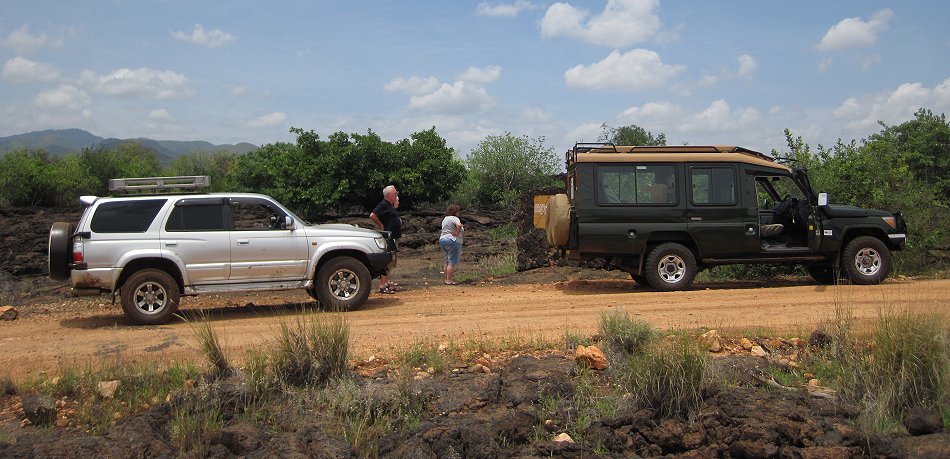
150 297
866 260
342 283
671 266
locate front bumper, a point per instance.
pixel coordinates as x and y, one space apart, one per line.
380 263
897 240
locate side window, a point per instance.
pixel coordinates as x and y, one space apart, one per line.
642 184
197 217
256 215
134 216
713 186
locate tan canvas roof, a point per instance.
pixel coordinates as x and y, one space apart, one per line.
678 154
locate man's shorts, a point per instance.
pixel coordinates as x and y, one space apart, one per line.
452 251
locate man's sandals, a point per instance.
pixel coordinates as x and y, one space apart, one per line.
389 288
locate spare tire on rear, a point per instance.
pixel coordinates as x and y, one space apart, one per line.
60 250
558 224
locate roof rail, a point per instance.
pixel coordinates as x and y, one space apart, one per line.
160 183
584 147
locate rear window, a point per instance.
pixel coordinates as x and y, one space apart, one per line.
126 216
197 217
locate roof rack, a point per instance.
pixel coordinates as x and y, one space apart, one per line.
584 147
160 183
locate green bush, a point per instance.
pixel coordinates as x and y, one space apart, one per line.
505 167
626 335
672 379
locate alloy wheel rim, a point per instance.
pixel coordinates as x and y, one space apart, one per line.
867 261
150 298
671 269
343 284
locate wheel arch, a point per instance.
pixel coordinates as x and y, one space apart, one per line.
139 264
326 257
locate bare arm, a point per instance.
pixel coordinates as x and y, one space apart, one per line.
457 230
376 221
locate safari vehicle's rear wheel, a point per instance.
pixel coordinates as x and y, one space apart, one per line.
59 250
866 260
150 297
342 283
670 266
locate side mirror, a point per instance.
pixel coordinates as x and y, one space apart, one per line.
822 199
288 222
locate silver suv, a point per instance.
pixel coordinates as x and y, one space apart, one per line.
149 250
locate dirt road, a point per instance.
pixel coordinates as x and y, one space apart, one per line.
78 331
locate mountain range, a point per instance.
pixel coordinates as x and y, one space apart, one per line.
61 141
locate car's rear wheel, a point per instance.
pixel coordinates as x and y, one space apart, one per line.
824 274
558 224
342 283
671 266
150 297
866 260
60 250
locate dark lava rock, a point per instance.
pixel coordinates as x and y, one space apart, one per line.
40 409
934 446
923 421
819 338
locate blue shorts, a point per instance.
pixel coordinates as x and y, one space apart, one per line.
452 251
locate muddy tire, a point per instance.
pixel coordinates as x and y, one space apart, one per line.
150 297
343 283
824 274
60 250
558 223
866 261
670 266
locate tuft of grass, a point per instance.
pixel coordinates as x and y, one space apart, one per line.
906 365
312 351
424 354
491 266
200 413
211 349
623 334
672 380
7 387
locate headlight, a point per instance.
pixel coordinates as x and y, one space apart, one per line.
380 242
892 221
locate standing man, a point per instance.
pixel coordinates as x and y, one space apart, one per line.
386 218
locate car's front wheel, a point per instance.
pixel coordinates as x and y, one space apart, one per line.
866 260
342 283
150 297
671 266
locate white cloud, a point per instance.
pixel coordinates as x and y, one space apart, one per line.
143 82
535 115
239 90
22 70
747 66
855 33
65 97
503 9
413 85
861 114
456 98
652 114
481 75
268 120
633 70
160 115
621 24
211 38
587 132
23 42
824 65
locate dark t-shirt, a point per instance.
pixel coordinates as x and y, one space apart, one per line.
390 218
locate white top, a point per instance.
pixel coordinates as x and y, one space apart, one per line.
449 224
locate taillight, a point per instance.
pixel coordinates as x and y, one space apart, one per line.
77 250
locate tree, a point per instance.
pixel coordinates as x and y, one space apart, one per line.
630 135
216 165
924 143
126 160
504 167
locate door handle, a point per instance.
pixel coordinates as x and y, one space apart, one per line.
243 241
750 230
696 219
171 243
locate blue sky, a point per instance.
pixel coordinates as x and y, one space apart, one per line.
736 72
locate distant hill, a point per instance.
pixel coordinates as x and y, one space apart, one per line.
61 141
